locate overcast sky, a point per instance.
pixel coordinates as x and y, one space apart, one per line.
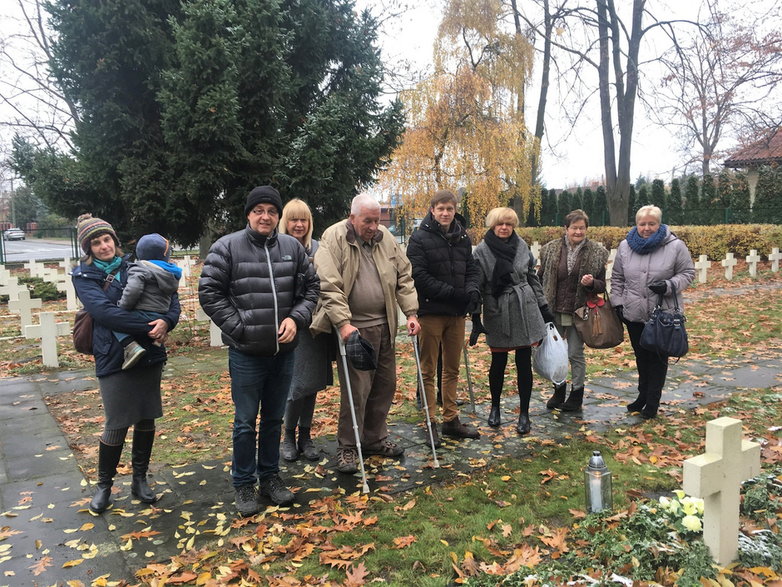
570 155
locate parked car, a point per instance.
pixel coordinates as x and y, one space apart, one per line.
14 234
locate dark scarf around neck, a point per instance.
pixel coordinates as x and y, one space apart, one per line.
644 246
504 253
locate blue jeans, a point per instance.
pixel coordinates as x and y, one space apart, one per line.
120 336
257 382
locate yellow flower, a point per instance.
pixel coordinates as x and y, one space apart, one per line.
679 493
692 523
689 506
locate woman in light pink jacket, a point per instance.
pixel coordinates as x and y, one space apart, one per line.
650 262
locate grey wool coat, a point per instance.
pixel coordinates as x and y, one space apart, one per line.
632 273
512 320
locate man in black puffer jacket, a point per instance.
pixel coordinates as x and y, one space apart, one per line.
259 287
446 279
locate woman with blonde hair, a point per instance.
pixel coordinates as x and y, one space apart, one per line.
651 264
312 370
514 309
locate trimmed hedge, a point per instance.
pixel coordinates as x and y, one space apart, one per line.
713 241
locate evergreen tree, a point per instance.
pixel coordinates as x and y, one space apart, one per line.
588 203
564 206
577 201
692 202
739 204
657 196
601 206
768 196
673 207
709 203
187 106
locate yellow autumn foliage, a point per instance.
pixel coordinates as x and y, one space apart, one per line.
465 123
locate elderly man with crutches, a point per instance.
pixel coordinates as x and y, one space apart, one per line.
364 275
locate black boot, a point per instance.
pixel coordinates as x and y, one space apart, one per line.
108 459
524 426
288 449
573 403
494 416
141 453
555 401
306 446
638 404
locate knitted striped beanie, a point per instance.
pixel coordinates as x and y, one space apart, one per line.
87 228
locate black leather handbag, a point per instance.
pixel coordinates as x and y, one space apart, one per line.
664 333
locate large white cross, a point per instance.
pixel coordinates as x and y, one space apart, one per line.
702 265
610 268
72 302
774 257
215 334
752 262
34 268
535 250
728 262
716 477
48 331
23 306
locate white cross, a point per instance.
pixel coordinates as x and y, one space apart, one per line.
728 262
5 275
34 268
774 257
52 275
48 331
66 265
610 268
24 306
716 477
752 262
215 334
12 289
70 294
703 266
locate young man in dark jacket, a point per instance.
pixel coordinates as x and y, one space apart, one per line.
446 279
259 287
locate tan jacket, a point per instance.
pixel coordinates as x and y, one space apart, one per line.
337 261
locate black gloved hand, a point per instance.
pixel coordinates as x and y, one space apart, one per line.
620 311
658 287
546 313
473 302
477 329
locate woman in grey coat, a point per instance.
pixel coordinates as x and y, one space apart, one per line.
514 309
312 370
651 262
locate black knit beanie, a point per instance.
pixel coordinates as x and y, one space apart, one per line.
264 194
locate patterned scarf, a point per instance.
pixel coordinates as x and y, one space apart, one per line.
572 254
644 246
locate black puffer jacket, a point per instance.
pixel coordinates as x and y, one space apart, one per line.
250 283
444 271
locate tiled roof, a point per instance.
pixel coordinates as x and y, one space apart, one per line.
763 152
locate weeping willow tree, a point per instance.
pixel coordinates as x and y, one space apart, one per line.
466 126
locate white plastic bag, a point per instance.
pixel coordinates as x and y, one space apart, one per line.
550 357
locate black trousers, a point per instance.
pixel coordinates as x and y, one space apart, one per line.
652 369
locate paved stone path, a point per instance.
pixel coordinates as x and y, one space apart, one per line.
45 526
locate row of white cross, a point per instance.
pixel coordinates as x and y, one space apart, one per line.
48 329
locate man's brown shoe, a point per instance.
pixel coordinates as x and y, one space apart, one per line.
455 429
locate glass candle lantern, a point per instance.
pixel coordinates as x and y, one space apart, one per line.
597 484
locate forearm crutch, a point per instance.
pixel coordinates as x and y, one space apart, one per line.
426 401
469 377
356 433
